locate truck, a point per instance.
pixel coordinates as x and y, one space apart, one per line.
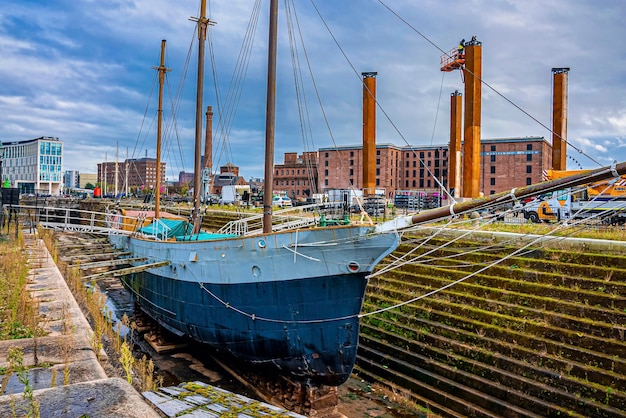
604 200
229 196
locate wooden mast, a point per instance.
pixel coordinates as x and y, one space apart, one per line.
270 114
157 193
208 146
197 168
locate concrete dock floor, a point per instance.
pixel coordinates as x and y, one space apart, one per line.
64 357
68 378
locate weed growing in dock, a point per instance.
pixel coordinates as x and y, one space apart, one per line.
92 301
127 361
18 312
16 365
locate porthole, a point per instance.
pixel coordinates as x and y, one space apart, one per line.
353 266
261 243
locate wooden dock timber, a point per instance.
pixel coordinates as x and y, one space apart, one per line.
90 257
126 271
109 263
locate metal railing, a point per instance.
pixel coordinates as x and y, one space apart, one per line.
72 219
283 219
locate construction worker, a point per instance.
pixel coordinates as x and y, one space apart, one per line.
461 49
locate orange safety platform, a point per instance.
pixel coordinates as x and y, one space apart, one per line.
452 60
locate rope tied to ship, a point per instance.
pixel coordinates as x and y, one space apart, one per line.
254 317
295 252
462 279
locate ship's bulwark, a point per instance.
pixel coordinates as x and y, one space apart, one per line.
289 300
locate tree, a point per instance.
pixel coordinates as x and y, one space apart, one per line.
89 186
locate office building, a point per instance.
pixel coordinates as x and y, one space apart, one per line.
34 165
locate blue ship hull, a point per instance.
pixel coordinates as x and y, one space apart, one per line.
323 352
287 300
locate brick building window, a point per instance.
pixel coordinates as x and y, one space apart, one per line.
529 169
492 169
492 181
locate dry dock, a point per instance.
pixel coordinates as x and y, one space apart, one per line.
69 379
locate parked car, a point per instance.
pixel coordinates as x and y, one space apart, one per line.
282 202
211 199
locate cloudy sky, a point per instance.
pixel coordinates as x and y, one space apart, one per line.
81 70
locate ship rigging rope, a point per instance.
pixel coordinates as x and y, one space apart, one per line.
461 280
177 100
293 28
518 251
402 262
511 102
378 104
432 135
227 106
305 122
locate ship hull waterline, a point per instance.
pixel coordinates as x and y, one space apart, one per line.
287 300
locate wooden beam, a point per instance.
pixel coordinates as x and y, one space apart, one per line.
91 257
109 263
126 271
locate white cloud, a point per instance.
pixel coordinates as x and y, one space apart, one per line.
82 71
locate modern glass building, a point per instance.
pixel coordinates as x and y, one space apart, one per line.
34 165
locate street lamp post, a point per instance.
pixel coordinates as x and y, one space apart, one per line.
1 161
1 184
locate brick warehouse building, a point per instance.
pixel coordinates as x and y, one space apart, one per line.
397 168
141 174
513 162
506 163
297 177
